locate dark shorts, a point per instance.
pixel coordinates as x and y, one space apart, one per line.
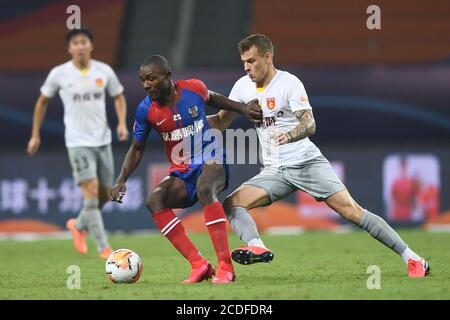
190 178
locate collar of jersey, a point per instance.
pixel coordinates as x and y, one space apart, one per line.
262 89
84 71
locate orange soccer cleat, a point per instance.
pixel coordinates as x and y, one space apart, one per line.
253 254
204 271
418 268
225 274
79 237
105 253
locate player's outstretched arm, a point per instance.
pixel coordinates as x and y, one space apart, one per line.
121 110
38 117
132 160
221 120
305 128
250 110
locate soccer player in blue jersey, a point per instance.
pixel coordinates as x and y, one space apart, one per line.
175 109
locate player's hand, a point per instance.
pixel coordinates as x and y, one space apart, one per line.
253 112
33 145
280 138
118 192
122 132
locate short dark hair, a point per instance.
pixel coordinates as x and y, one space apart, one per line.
83 30
260 41
159 61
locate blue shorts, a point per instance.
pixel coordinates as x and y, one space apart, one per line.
190 178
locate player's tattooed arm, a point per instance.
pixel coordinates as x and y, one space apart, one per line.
132 160
305 128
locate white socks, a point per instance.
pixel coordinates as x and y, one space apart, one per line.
256 242
409 254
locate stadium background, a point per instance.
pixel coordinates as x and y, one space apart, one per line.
377 95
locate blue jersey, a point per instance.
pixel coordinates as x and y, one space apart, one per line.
184 130
182 127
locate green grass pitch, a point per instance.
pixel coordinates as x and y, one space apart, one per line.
315 265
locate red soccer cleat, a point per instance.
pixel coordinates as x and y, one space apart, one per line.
249 255
225 274
79 237
418 268
203 272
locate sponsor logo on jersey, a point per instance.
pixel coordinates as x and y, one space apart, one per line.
99 82
193 111
270 103
179 134
280 114
158 123
267 122
88 96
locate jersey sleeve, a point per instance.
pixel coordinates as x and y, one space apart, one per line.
114 86
51 85
298 99
198 87
235 93
141 127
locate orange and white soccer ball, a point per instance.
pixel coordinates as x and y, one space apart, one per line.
124 266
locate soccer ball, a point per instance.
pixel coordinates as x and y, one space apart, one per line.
124 266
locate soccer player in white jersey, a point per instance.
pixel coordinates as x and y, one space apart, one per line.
81 84
291 161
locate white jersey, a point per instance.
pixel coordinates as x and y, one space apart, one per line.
83 97
284 95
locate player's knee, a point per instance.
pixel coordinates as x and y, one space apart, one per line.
227 204
90 189
357 212
206 194
154 202
351 211
232 201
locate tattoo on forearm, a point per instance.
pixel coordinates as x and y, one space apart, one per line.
305 128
